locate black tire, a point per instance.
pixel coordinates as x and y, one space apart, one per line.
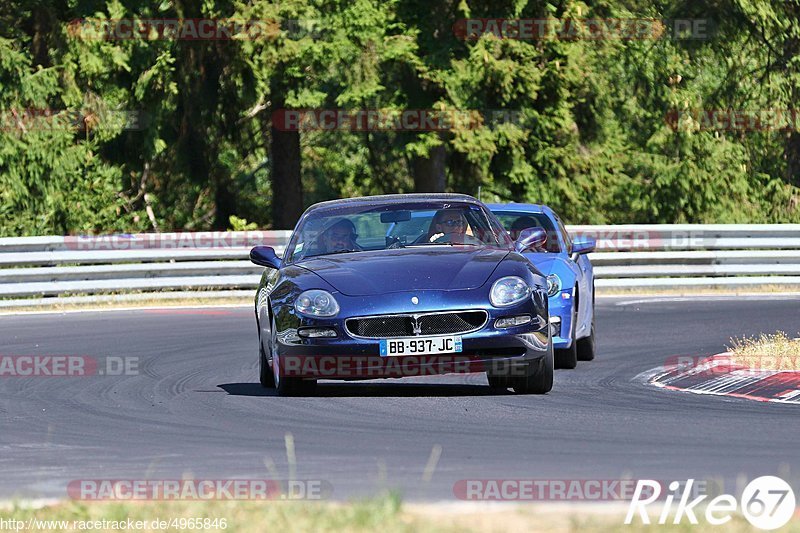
264 371
539 378
586 347
287 386
567 358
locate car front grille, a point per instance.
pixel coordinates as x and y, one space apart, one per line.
385 326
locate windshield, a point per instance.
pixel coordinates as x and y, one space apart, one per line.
516 222
386 227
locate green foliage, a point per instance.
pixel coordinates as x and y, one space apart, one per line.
100 135
241 224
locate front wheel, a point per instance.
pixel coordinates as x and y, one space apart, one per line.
287 386
567 357
539 378
264 371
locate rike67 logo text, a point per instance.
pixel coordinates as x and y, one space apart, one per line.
767 502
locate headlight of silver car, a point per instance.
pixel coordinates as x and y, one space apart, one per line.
317 303
553 285
508 291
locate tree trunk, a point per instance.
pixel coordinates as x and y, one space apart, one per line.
42 27
792 154
224 200
429 172
287 186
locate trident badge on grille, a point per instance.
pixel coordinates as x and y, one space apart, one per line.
415 325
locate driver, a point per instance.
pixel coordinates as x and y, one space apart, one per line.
523 223
449 225
338 237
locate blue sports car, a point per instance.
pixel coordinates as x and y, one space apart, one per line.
402 285
570 279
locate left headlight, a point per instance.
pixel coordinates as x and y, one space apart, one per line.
553 284
317 303
508 291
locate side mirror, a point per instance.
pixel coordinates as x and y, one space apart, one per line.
265 256
530 238
583 245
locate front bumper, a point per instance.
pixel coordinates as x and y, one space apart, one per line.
502 351
561 319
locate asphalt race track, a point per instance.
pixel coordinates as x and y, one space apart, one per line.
195 408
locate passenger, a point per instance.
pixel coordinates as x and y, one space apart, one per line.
448 225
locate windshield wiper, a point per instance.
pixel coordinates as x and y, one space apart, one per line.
332 253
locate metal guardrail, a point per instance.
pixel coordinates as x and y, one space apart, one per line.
627 256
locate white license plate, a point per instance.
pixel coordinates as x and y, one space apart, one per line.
420 345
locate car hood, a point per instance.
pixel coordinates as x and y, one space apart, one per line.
544 262
406 269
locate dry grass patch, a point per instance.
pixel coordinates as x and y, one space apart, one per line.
775 351
65 304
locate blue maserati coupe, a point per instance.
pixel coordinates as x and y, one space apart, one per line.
398 286
570 278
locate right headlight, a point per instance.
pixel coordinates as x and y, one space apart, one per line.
553 285
508 291
316 303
